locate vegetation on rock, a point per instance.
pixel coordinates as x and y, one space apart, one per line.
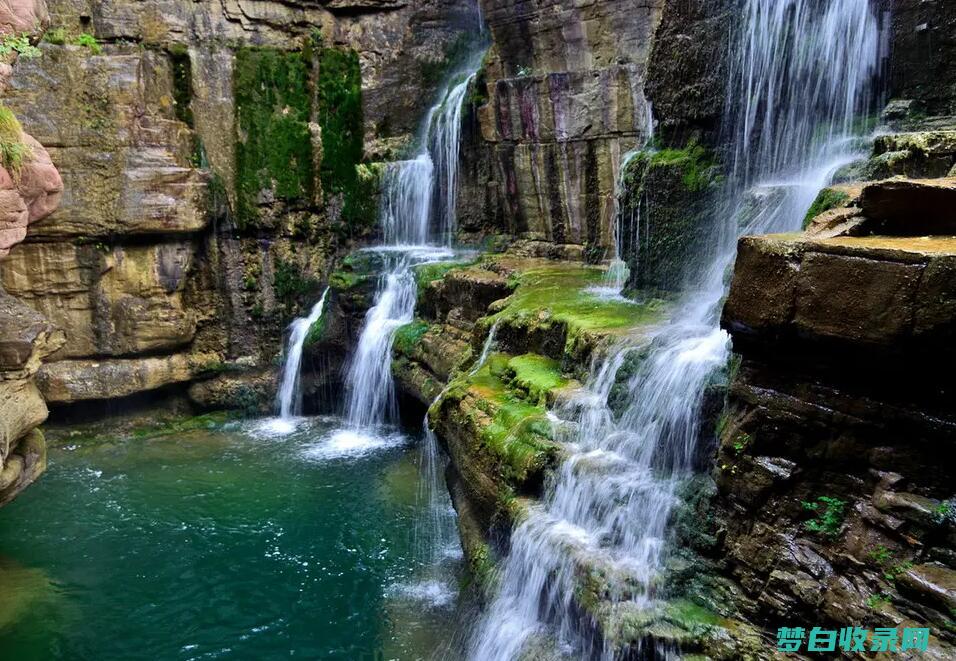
14 152
829 198
339 112
273 142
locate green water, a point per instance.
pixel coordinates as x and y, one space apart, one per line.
220 544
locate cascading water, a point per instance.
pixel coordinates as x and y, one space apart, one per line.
418 204
288 398
617 271
419 197
802 73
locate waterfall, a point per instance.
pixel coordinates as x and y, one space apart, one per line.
289 399
617 271
412 191
802 73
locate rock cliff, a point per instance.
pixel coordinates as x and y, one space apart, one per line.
216 158
30 190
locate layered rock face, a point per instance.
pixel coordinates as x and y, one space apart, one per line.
25 339
835 462
560 97
30 189
216 159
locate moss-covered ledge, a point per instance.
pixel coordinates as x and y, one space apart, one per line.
549 319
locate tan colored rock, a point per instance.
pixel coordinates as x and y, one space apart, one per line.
24 466
854 298
25 338
67 381
875 290
117 301
21 409
764 284
934 582
910 207
249 391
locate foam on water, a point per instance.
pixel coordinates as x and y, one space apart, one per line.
352 444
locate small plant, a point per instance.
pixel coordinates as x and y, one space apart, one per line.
875 600
522 72
56 36
19 44
896 570
741 442
830 514
945 511
89 41
14 152
880 555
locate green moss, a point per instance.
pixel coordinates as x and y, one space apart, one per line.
182 82
290 283
696 163
273 142
828 198
14 152
339 99
409 335
562 292
536 375
515 432
316 332
425 274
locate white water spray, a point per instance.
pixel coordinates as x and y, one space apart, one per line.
802 74
289 399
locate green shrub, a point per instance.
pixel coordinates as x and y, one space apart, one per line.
19 44
14 152
830 514
56 36
89 41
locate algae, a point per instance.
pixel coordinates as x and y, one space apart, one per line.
273 141
827 199
409 335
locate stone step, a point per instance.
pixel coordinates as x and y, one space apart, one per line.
910 207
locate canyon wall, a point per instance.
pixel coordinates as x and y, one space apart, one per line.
559 98
216 158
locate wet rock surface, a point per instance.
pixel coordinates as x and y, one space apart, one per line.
834 464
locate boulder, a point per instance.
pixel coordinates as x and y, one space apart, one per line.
910 207
30 196
68 381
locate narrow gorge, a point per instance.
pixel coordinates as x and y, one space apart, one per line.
477 329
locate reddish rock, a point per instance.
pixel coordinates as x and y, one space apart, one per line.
34 196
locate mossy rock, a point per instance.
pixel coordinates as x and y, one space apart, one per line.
827 199
666 210
274 158
509 437
409 335
554 312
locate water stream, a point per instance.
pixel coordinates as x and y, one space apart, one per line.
800 79
288 398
